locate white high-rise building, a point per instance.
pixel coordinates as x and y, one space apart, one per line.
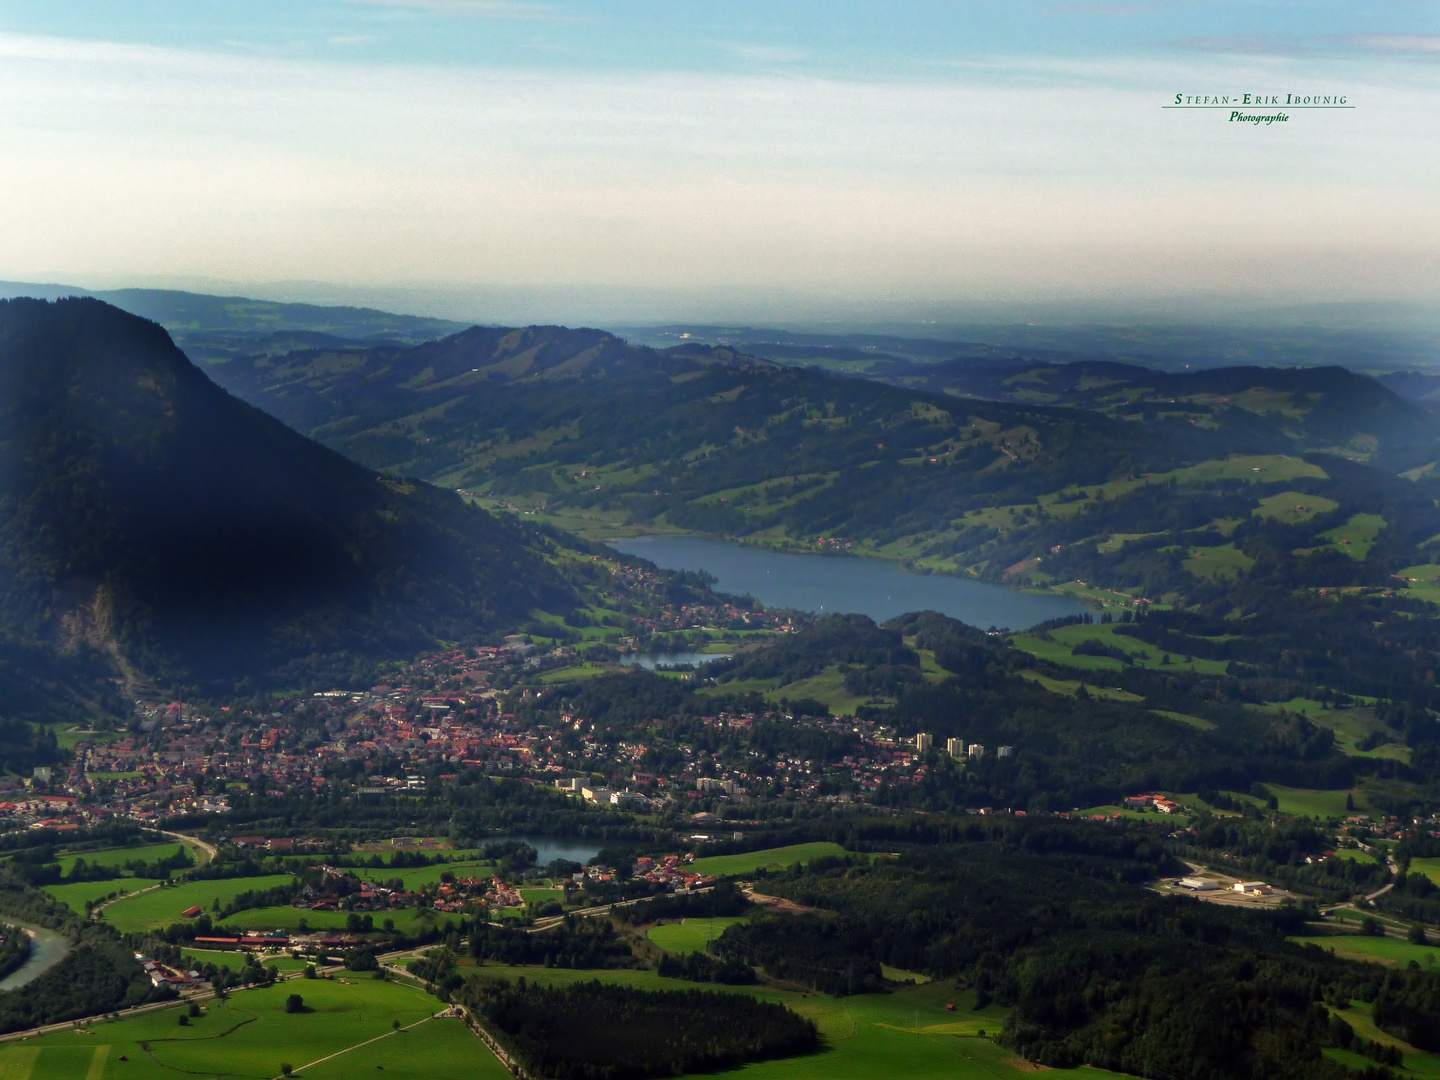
923 742
955 747
977 750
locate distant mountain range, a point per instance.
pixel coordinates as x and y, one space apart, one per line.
986 466
1317 407
990 462
219 327
150 517
1406 342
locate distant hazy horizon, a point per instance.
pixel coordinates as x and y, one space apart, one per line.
598 161
621 309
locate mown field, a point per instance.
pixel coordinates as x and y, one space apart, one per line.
1056 647
828 686
1356 536
1429 867
1071 687
768 859
1386 950
1216 563
1358 1016
75 894
252 1036
290 918
119 856
690 935
428 875
906 1034
161 907
1318 804
1422 582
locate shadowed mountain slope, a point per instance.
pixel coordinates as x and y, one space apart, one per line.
147 512
1121 468
581 416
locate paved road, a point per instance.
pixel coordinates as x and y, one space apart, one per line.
367 1042
552 921
95 911
209 849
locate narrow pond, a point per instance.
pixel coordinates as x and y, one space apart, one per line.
551 848
651 661
827 583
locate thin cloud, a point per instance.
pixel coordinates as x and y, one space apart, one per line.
1110 8
1312 45
1412 43
767 54
1019 177
483 9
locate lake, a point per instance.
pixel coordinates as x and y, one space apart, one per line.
828 583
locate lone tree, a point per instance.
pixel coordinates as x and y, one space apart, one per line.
294 1004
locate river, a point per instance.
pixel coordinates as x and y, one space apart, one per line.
843 583
47 948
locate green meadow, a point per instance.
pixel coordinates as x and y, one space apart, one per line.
909 1033
1359 1016
1293 507
1317 804
690 935
234 959
427 875
162 907
1056 647
290 918
118 857
1214 563
1422 582
69 738
1199 723
1429 867
768 859
1357 536
1350 726
252 1035
74 894
1071 687
1384 950
828 686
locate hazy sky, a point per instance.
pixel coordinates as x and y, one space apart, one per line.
676 159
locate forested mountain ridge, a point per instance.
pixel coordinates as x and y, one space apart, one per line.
147 513
1378 338
1326 408
218 327
602 434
